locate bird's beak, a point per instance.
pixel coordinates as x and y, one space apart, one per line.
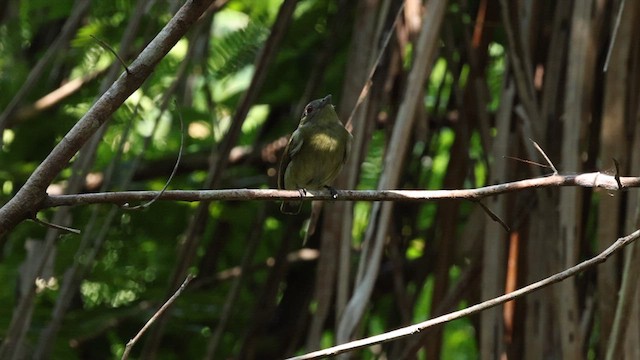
326 100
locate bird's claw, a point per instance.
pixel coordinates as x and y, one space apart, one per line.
334 193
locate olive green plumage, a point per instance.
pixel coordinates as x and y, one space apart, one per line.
316 152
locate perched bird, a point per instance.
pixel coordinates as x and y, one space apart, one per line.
316 152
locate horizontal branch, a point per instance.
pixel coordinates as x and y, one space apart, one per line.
596 179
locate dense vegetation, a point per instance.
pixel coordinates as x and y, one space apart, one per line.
457 90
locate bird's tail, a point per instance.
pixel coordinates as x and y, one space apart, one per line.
291 207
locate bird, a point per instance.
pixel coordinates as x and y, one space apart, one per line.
315 154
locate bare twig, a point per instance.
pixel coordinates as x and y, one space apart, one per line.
115 53
173 172
365 89
493 216
56 226
613 36
530 162
535 144
157 314
413 329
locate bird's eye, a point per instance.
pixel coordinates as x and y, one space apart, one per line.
308 110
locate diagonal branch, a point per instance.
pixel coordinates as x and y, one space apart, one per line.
155 316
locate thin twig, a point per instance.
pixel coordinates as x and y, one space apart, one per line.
115 53
157 314
365 89
493 216
526 161
413 329
173 172
613 36
56 226
535 144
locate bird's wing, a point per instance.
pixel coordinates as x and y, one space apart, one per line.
347 148
292 148
295 143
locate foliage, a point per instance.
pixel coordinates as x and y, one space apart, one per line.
129 262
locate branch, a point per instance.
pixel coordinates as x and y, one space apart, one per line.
155 316
54 98
595 179
413 329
